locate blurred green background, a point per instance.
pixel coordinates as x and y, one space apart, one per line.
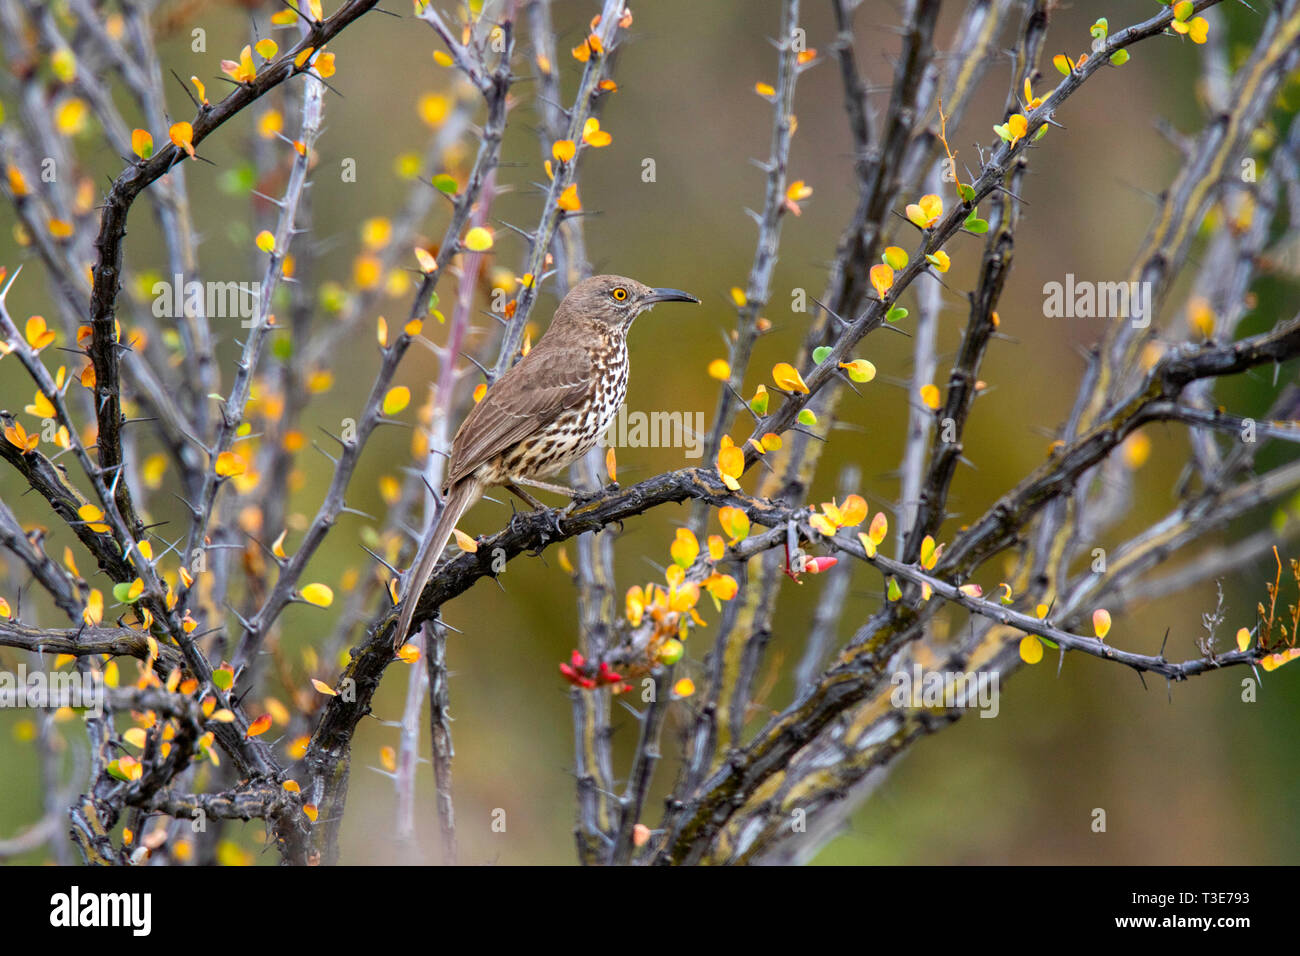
1201 778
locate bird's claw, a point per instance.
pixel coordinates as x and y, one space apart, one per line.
582 497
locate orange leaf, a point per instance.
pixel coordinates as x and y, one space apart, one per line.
182 135
568 200
259 726
787 377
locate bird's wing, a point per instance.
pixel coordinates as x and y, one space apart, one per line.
531 394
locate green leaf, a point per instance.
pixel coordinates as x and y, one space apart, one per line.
806 417
1118 58
122 592
238 180
1100 28
446 184
966 192
1003 133
896 314
975 224
820 353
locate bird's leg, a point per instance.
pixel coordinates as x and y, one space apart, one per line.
513 486
524 496
544 486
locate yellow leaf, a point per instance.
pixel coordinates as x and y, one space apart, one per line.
38 334
1031 649
926 211
611 464
265 241
798 190
788 378
879 528
896 258
427 262
722 586
564 150
141 143
930 397
860 370
684 687
1101 623
764 89
478 239
593 135
1243 639
182 135
731 465
853 512
266 48
93 517
735 522
568 200
70 118
464 541
1136 449
324 688
1017 126
63 63
15 434
230 464
738 296
685 548
324 65
241 71
93 613
41 407
396 399
321 595
720 370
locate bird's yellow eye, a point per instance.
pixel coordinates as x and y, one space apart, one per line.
619 293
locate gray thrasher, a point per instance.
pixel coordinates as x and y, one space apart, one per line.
544 413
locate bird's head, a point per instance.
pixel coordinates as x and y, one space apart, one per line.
615 301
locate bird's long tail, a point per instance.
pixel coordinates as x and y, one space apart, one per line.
458 499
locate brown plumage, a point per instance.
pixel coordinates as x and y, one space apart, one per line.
544 413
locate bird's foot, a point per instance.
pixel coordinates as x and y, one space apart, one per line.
582 496
515 518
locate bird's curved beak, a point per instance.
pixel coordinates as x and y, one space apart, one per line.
668 295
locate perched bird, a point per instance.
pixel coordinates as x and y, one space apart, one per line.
543 414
